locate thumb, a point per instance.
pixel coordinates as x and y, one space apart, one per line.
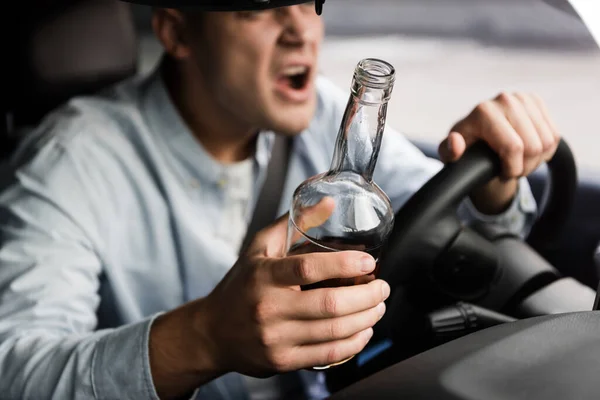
452 148
271 239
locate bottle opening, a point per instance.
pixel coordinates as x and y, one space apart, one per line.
375 73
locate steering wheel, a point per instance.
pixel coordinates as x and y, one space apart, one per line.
482 264
432 261
433 258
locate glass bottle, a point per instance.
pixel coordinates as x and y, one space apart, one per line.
343 209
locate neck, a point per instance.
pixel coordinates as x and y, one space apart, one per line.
361 131
359 139
217 131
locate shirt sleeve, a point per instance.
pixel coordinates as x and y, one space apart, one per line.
50 274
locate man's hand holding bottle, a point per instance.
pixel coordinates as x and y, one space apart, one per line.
258 321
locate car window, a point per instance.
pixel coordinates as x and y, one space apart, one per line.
452 54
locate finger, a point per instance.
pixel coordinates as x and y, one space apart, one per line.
328 330
271 240
331 353
452 148
500 135
546 114
544 130
521 121
488 122
311 268
336 302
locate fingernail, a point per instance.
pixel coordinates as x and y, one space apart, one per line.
381 309
367 264
368 333
385 290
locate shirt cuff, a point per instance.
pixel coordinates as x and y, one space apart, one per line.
121 364
517 219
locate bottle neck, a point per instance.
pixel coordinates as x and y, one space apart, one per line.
359 139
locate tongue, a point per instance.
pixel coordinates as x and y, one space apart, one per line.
294 82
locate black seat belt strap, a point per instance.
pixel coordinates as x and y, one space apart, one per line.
267 205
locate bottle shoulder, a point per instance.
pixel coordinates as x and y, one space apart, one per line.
359 205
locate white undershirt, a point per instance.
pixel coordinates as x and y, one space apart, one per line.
236 181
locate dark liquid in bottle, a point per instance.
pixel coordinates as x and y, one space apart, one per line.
361 243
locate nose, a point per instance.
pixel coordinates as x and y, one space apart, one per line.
301 25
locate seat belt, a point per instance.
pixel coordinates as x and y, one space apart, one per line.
265 212
269 199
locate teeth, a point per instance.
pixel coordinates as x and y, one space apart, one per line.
295 70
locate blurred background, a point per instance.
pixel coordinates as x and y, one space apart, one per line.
452 54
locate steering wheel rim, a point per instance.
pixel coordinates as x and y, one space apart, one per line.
562 173
427 223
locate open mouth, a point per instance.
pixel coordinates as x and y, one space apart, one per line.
295 77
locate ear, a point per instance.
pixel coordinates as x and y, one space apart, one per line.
169 26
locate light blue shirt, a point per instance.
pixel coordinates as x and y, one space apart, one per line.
111 214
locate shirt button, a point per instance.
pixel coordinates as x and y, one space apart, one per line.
222 183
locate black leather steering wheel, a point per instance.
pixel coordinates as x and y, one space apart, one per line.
428 239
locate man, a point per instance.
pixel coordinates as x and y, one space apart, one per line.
125 212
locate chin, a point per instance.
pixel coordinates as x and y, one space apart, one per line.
291 122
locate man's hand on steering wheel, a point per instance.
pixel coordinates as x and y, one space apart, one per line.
519 129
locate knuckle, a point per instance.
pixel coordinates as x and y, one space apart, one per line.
506 99
484 109
304 270
522 97
278 360
256 275
269 338
548 143
334 354
557 137
533 149
335 330
330 303
515 147
264 311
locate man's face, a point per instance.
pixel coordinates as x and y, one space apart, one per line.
261 66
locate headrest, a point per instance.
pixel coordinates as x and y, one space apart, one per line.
65 48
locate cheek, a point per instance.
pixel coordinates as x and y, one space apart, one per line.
249 63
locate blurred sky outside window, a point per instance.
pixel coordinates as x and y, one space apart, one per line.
452 54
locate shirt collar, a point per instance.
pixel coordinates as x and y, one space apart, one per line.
165 121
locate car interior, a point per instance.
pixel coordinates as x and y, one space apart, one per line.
529 334
62 49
